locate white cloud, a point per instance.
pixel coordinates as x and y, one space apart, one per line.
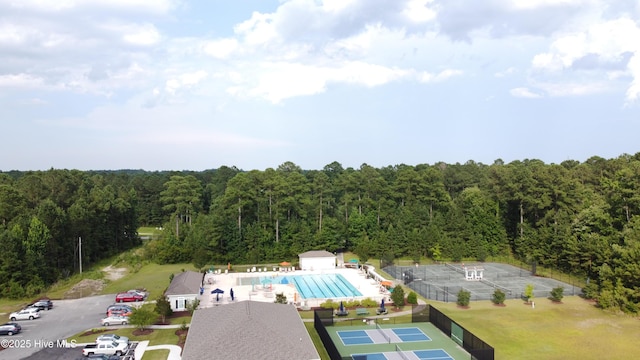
419 11
607 42
20 81
524 93
186 80
220 49
144 35
508 72
427 77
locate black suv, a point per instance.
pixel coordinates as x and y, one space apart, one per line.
43 304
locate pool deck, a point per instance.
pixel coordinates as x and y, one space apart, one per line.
369 288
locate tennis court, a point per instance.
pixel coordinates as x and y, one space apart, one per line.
381 335
379 340
432 354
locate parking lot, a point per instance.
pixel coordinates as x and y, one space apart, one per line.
43 338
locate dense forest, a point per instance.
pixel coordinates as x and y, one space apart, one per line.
579 218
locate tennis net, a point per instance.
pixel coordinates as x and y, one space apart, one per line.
401 353
384 334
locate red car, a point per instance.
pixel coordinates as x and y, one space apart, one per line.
128 297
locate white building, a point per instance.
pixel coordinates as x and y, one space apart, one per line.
317 260
184 289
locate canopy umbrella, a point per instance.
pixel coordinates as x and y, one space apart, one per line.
217 291
284 281
231 294
355 261
386 283
341 307
382 304
285 263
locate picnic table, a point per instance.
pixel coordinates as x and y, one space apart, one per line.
362 311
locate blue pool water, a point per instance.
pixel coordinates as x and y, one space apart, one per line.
318 286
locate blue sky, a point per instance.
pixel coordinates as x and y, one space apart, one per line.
194 85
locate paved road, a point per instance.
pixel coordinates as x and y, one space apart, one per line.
43 335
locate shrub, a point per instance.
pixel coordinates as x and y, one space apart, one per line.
498 297
352 303
464 297
397 296
329 304
528 293
281 298
368 302
412 298
557 294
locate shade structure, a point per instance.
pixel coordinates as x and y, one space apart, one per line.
217 291
353 261
231 294
285 263
386 283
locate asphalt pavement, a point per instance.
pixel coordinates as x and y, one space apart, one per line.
43 338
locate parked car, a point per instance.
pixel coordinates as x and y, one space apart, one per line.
10 329
115 320
107 348
128 297
142 293
43 304
100 357
121 310
24 314
113 338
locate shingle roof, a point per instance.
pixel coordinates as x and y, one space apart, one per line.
186 282
316 254
248 330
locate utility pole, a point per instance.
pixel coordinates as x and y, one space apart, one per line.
80 253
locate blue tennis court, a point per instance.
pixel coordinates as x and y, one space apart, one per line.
433 354
382 336
410 334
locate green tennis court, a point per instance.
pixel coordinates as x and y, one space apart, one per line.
387 340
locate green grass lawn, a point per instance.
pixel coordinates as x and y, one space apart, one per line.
153 277
574 329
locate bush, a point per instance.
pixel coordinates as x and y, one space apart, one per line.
498 297
397 296
280 298
329 304
590 291
557 294
352 303
528 293
463 297
412 298
368 302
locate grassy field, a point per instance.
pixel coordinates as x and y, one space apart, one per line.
153 277
574 329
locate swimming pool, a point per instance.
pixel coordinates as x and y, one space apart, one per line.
310 286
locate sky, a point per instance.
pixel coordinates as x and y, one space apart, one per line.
196 85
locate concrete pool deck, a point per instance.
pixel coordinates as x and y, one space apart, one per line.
368 287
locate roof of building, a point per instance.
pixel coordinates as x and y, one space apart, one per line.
186 282
248 330
316 254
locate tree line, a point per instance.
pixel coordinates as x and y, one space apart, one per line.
576 217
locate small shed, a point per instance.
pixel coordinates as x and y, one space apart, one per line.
184 289
317 260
